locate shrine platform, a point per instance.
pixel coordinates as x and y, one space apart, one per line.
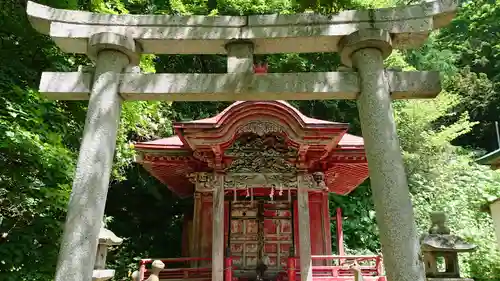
176 269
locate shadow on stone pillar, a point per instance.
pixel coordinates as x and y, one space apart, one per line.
365 50
112 54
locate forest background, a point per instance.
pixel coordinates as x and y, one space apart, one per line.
39 139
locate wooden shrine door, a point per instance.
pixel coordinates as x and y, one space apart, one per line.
260 232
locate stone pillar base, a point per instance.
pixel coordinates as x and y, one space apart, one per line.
102 274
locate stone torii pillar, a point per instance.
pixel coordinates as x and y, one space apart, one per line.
112 54
366 50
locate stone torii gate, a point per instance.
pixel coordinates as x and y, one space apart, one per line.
363 39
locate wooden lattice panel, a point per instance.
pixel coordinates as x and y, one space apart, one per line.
277 234
254 236
244 235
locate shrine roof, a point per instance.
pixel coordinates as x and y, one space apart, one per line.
176 142
206 145
491 159
173 142
233 107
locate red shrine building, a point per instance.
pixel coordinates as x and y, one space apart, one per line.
260 174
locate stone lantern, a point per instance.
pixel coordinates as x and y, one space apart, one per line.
106 239
441 246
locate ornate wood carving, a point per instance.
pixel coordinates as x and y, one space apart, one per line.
203 181
314 181
302 153
260 128
253 153
218 156
204 156
260 159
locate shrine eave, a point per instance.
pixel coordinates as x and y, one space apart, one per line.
491 159
174 144
409 27
169 161
170 143
343 171
236 109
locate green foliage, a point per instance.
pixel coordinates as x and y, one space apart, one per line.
421 141
150 218
443 178
38 142
471 42
360 229
108 6
140 121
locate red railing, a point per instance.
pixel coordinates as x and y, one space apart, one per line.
369 266
185 272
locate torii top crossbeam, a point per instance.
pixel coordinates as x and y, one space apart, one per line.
300 33
82 32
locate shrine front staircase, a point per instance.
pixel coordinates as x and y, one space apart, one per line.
335 268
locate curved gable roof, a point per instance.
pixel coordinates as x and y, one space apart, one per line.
237 107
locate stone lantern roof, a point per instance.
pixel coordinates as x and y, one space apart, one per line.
446 243
108 238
